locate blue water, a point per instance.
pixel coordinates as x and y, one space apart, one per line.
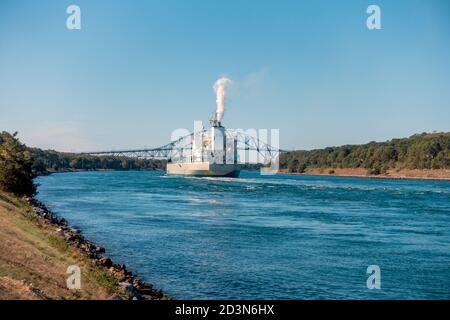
265 237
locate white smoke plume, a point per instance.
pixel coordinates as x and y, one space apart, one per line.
220 87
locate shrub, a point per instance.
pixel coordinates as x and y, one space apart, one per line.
16 173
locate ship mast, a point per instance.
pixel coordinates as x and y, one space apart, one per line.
214 122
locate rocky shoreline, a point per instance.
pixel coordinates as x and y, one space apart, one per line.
136 289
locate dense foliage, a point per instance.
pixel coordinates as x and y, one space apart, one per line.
420 151
16 166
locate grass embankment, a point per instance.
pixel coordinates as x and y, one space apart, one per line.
34 259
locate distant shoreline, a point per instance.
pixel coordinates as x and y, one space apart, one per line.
403 174
47 173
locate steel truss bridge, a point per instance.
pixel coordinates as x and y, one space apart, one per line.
262 152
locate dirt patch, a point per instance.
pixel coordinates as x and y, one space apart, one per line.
11 289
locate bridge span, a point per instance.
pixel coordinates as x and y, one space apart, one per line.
251 149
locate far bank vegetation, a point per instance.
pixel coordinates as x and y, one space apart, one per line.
420 151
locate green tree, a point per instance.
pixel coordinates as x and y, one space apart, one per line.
16 166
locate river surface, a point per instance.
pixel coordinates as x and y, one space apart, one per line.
265 237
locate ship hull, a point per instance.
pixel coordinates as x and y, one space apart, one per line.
203 169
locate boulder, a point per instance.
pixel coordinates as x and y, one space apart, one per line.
105 261
130 289
99 249
59 232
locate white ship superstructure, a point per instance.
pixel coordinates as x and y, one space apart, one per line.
211 152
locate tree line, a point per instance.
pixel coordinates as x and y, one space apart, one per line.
420 151
47 161
19 164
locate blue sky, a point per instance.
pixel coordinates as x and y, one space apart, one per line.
137 70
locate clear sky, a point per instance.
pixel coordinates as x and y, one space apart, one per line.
137 70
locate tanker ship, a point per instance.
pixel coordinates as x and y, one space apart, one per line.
211 153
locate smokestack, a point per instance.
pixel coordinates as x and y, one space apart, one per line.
221 95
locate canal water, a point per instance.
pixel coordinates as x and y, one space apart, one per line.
265 237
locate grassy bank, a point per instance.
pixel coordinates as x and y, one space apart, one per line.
34 259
